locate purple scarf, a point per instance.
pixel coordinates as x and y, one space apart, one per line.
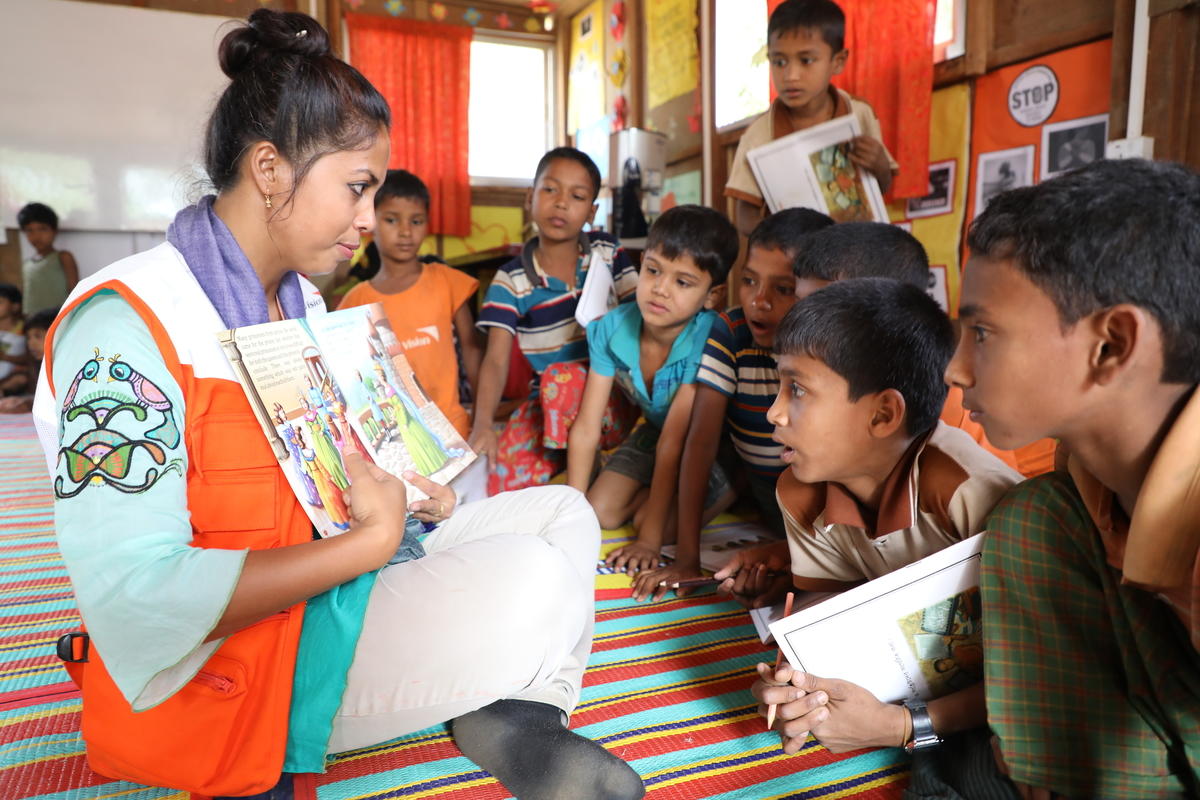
224 272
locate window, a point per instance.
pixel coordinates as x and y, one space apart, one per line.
511 112
949 30
743 82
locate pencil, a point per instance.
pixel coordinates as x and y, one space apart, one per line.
689 582
787 612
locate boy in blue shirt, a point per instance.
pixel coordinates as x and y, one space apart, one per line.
652 349
735 385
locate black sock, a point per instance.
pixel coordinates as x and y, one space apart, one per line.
528 749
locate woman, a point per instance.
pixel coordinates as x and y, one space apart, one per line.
227 646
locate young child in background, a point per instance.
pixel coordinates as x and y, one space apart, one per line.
735 386
877 482
36 325
805 47
13 377
1080 318
426 303
532 300
49 275
652 349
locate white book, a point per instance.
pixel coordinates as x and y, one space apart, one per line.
914 632
811 168
599 293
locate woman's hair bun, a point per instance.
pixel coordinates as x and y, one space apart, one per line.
271 34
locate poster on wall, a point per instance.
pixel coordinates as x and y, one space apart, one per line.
585 83
940 199
1037 119
1072 144
1000 171
672 50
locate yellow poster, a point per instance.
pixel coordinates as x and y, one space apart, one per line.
937 219
672 57
585 82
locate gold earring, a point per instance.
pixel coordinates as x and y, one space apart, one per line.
267 197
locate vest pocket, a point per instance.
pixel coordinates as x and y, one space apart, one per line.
233 485
225 501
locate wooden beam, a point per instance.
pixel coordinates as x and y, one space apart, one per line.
1173 86
1122 55
980 19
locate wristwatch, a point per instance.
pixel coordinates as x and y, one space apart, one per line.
923 734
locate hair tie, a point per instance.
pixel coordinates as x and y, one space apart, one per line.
302 32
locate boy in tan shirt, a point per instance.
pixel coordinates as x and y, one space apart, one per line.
806 48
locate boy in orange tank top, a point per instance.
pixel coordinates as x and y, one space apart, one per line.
427 303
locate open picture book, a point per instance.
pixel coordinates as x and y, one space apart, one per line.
340 382
914 632
811 168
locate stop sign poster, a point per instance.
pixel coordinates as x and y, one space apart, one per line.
1039 118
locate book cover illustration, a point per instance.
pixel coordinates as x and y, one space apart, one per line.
947 640
811 168
338 383
841 184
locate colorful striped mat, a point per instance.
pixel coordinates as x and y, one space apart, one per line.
666 690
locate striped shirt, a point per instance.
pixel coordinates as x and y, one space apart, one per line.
542 317
747 374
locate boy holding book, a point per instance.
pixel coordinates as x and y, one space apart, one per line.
532 303
735 385
652 348
805 46
874 482
1081 321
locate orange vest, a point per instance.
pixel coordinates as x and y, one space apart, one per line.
224 732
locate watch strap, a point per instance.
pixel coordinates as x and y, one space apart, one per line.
923 734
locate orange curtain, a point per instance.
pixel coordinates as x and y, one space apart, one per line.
424 71
891 67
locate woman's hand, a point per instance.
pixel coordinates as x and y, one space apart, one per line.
438 506
377 503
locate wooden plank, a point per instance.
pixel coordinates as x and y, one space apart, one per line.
1173 84
1122 52
1024 29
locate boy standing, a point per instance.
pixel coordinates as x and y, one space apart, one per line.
49 275
532 300
428 304
805 46
735 385
652 349
875 482
1081 320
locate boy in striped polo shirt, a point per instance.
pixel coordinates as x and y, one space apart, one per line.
532 301
737 383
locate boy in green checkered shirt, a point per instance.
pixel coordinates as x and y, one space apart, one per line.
1080 315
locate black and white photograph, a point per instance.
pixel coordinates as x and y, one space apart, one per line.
1000 171
1072 144
940 199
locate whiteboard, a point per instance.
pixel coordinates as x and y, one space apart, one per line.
102 111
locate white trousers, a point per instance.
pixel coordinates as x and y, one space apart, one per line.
502 606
